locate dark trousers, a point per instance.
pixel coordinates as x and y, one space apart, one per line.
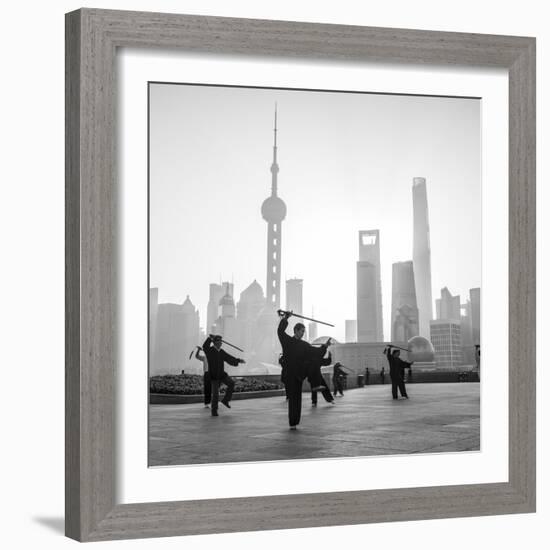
230 385
284 381
294 389
207 388
398 382
314 377
338 384
325 392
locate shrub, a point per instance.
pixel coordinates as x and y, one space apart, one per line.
191 384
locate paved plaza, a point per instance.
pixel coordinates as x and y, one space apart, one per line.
366 421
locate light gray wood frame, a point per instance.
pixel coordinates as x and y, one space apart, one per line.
92 39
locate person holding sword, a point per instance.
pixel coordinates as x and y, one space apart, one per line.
216 358
298 356
397 371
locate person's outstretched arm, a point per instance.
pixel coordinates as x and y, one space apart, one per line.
233 361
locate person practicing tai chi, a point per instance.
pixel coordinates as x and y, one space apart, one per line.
216 357
316 365
297 354
205 377
397 371
338 379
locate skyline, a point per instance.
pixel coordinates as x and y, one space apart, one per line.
231 134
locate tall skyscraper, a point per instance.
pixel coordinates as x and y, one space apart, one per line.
369 288
191 328
213 308
250 305
448 306
475 308
422 256
404 311
466 331
177 333
274 212
294 295
226 324
227 304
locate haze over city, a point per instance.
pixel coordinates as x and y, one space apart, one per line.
347 162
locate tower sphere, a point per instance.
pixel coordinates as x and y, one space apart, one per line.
273 210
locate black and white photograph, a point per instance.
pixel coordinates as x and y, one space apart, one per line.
314 274
274 275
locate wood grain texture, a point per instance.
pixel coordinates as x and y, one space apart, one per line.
72 277
92 37
522 274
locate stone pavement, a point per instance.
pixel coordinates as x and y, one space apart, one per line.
366 421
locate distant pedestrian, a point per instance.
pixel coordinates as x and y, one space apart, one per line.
338 379
383 375
367 376
205 377
397 371
216 358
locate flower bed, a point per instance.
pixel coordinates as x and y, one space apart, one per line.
191 384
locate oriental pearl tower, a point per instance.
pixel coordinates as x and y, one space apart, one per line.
274 212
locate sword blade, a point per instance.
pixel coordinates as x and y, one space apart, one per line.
310 319
233 346
399 347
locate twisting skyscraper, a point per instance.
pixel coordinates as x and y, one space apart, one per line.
421 256
274 212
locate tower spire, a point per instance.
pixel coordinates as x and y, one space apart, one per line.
274 165
275 129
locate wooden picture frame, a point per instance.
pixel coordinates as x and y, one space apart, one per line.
92 39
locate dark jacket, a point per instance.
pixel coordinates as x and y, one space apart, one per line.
397 365
216 359
297 353
339 373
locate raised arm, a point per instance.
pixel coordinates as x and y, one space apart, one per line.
233 361
198 354
283 336
327 360
207 343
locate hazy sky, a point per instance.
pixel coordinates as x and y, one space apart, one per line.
346 162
